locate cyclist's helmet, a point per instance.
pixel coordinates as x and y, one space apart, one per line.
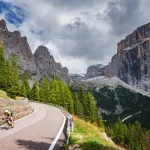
6 111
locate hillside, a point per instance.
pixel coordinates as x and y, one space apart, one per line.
89 137
115 98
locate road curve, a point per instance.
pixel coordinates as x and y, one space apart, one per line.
36 132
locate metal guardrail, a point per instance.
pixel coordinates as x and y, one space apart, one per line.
70 124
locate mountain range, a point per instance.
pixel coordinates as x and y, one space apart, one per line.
33 66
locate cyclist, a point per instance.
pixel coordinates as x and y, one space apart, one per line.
8 115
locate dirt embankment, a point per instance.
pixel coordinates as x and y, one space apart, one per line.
20 108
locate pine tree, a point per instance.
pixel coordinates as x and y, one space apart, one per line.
34 94
15 89
119 132
44 93
90 109
68 101
81 96
75 99
23 90
54 91
62 100
79 109
8 74
61 93
2 69
101 124
27 87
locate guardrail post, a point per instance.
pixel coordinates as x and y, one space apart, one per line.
72 127
71 122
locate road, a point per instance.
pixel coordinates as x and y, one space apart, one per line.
126 118
35 132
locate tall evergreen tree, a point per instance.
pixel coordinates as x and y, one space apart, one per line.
23 90
61 93
81 96
27 87
68 101
2 69
119 132
90 108
54 91
34 94
101 124
78 108
44 93
8 74
15 89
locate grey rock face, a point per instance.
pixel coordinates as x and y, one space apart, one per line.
40 65
95 70
3 25
14 43
132 62
47 65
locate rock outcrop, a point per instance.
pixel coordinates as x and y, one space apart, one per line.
14 43
132 62
37 66
47 65
95 70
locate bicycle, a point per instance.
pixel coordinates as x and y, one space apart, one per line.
8 124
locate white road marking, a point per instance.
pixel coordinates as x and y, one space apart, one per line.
58 135
26 116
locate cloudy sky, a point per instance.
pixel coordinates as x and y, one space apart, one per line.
78 33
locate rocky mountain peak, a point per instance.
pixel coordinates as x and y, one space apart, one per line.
95 70
37 66
42 51
3 25
134 38
47 64
131 63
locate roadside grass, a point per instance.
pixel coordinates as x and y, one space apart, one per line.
19 98
89 137
3 95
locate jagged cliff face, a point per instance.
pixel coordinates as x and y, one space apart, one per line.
95 70
47 65
132 61
14 43
39 65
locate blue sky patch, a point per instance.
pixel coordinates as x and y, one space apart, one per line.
14 14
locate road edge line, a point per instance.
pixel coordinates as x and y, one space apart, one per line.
58 134
27 115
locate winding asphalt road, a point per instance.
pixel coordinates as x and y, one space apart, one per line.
35 132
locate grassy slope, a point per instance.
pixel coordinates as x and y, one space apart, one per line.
3 95
89 137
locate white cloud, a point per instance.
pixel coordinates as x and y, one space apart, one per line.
78 33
